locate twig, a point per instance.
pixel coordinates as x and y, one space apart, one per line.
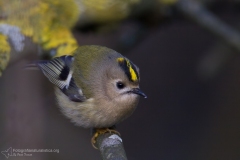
111 147
220 54
198 13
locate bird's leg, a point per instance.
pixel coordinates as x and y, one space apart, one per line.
98 131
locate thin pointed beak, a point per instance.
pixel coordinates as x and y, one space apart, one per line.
139 92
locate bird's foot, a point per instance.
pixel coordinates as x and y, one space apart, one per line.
99 131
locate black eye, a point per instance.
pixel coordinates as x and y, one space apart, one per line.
120 85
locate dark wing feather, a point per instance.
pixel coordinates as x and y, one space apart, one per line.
59 72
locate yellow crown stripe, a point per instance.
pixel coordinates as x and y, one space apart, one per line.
129 66
120 59
132 72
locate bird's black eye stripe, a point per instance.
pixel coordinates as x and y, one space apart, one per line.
120 85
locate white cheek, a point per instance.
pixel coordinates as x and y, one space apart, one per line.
127 97
124 90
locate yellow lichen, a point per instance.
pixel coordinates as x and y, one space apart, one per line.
47 22
4 53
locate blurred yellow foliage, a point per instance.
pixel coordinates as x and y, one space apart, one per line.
99 11
49 22
168 2
46 22
4 53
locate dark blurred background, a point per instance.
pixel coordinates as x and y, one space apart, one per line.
191 113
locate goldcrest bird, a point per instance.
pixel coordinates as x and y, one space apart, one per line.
97 87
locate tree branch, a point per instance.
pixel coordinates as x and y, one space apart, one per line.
111 147
220 54
198 13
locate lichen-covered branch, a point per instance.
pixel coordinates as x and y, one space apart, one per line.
111 147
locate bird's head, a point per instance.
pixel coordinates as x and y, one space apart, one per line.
122 82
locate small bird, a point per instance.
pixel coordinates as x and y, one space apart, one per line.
97 87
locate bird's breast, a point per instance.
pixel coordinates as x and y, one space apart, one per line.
97 113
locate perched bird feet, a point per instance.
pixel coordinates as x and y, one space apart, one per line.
99 131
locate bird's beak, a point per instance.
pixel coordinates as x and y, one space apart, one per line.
139 92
